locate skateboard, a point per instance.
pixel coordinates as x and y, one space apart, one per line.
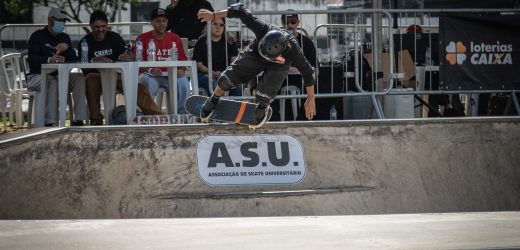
239 112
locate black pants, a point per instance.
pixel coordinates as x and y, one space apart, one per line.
248 65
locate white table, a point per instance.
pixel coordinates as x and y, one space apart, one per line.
130 75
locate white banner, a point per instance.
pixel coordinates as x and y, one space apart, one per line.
250 159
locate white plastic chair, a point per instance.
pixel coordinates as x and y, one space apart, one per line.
12 85
3 108
35 101
295 102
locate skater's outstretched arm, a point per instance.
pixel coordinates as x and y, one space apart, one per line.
310 106
238 11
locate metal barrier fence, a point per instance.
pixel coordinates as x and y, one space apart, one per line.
346 39
17 35
356 52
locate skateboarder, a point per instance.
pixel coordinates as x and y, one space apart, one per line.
272 52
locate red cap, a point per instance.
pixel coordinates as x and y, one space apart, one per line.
414 28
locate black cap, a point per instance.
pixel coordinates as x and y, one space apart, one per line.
98 15
290 15
158 13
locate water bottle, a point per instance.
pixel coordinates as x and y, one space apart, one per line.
138 50
428 57
333 113
151 51
174 53
84 51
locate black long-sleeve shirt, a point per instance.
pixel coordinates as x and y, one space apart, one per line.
308 48
41 46
293 55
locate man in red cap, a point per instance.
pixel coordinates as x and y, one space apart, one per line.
153 78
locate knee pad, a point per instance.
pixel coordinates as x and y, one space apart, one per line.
263 99
224 83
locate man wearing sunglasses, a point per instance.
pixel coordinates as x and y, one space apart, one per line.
291 23
272 52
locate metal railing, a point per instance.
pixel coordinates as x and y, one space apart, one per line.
20 33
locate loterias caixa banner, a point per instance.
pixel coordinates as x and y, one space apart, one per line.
480 51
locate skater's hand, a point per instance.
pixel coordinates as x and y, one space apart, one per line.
310 108
205 15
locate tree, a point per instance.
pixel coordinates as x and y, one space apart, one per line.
72 7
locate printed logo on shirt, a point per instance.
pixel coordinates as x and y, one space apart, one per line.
105 52
163 55
51 48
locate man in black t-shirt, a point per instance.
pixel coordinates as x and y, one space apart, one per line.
291 22
107 46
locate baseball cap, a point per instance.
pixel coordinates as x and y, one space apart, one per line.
158 13
58 14
414 28
288 16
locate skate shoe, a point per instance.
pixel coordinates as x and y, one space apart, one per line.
262 116
206 111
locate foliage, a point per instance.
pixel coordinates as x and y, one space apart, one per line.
72 7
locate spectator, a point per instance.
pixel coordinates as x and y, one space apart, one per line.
291 23
153 78
223 52
415 29
182 17
272 52
452 104
108 46
52 45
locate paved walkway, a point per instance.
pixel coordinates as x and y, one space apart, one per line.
500 230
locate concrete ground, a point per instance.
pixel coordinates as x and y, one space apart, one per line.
497 230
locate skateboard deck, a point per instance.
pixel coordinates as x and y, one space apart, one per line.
227 110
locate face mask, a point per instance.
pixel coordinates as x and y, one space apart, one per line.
58 27
418 36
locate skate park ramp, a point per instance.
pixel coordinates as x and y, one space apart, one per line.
350 168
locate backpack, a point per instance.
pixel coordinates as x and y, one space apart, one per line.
119 115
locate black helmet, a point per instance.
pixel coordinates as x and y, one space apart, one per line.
272 45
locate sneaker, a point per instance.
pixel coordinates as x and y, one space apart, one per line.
206 111
96 122
262 116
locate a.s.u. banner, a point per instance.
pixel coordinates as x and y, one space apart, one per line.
480 51
250 159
